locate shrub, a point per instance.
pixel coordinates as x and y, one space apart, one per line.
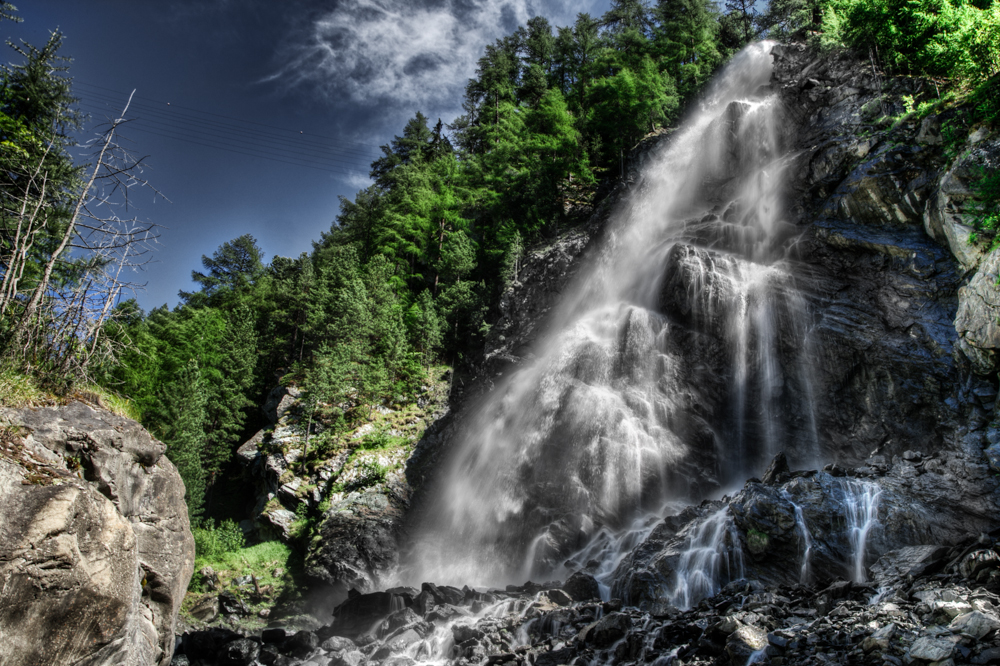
212 542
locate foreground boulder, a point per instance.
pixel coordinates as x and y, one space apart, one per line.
95 546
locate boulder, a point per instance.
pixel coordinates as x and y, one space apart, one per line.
206 609
930 648
975 624
337 644
582 587
95 547
880 639
241 652
609 629
744 642
909 561
358 613
301 644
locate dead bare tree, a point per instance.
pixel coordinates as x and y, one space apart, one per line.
57 321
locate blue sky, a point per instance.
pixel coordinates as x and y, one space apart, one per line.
255 115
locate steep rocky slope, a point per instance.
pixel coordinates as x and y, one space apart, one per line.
95 547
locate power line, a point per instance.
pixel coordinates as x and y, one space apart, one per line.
264 156
140 124
218 115
113 106
240 152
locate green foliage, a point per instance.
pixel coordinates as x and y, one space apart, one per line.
19 390
213 543
185 399
949 38
371 473
380 439
231 270
261 560
987 217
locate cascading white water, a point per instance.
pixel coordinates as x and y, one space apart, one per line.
803 528
612 419
861 500
713 555
603 553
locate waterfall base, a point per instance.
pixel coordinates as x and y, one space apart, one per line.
921 600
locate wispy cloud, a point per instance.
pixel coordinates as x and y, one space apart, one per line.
416 54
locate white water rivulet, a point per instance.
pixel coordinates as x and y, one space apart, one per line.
674 367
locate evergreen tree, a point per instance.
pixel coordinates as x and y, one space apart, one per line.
37 174
426 326
230 397
185 400
231 271
686 40
625 15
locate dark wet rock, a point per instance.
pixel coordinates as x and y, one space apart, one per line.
978 312
534 291
269 656
975 624
559 597
743 642
582 587
777 471
300 644
241 652
231 604
273 635
357 615
401 618
338 644
205 644
555 657
444 594
931 649
609 629
910 561
357 537
464 632
348 658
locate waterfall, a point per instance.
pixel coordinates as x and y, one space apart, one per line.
672 367
713 556
861 511
800 525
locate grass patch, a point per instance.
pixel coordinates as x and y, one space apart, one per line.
260 560
111 401
20 390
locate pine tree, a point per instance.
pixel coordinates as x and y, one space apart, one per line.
686 40
185 401
231 271
230 397
425 325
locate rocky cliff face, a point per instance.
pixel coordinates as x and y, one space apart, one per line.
95 547
355 487
887 251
